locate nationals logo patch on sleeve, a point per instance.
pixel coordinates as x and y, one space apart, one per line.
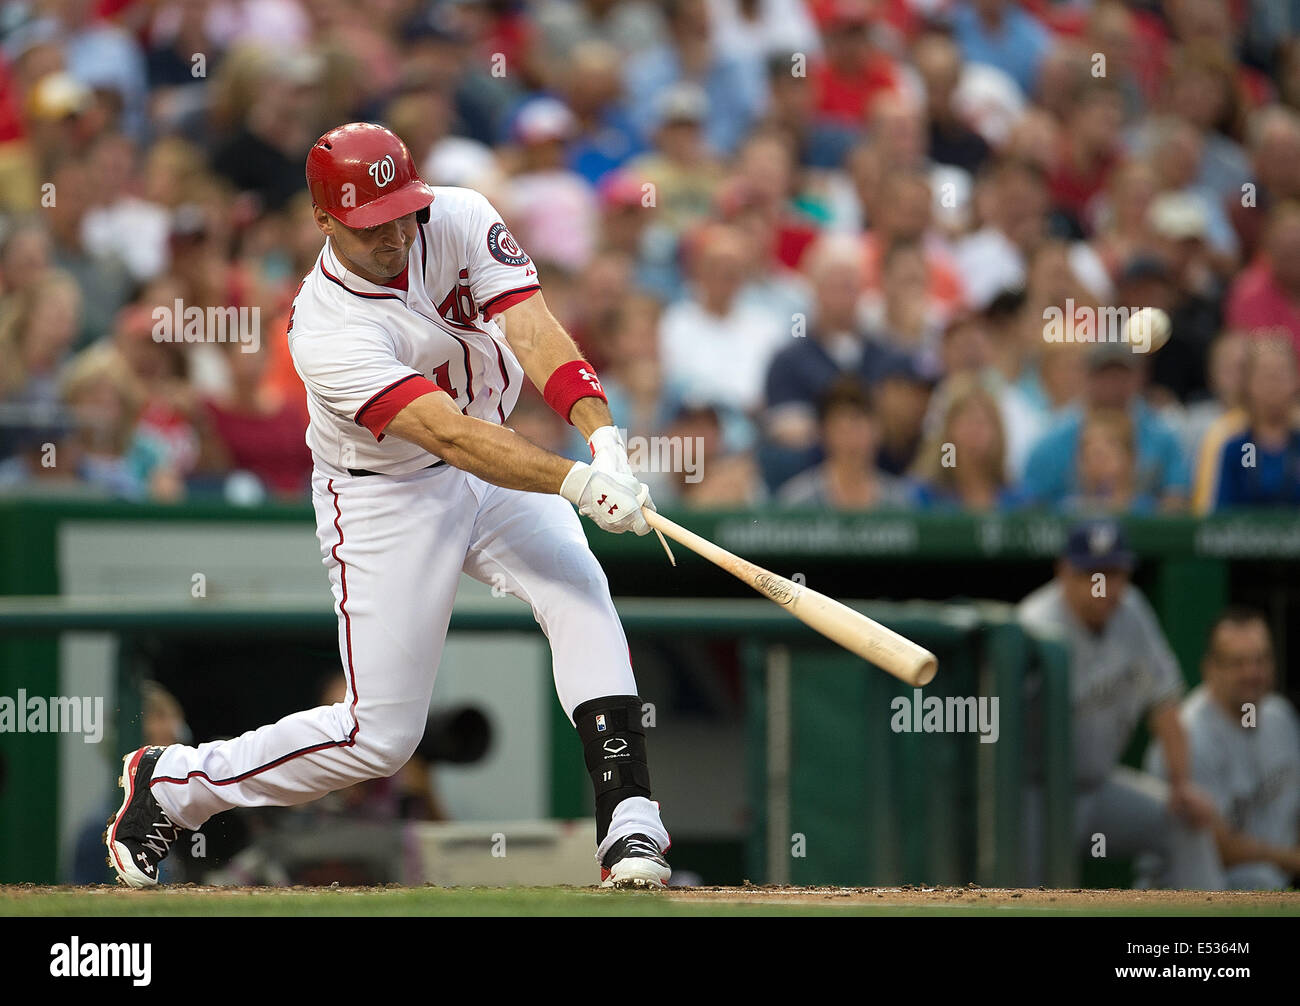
504 247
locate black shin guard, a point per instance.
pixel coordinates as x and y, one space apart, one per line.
613 743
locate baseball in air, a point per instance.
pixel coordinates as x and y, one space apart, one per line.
1147 329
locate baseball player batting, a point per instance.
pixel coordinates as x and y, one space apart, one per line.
413 335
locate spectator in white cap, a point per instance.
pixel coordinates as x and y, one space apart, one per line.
682 170
552 209
1176 150
1194 289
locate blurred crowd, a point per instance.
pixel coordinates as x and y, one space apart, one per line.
818 239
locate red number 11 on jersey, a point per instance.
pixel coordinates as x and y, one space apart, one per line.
442 378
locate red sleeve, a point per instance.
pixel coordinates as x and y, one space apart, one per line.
379 411
507 299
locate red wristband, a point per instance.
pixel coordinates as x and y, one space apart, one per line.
569 382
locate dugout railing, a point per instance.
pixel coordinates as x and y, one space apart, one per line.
826 763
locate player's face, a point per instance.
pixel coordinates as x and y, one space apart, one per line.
1093 595
1240 663
849 433
1113 386
374 253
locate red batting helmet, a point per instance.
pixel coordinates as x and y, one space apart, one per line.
363 175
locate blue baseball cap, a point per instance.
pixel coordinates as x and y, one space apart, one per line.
919 368
1098 544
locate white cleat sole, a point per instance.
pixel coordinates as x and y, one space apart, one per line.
637 873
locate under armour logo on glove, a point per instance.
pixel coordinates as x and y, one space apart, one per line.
611 499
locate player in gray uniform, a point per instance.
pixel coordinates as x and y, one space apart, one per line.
1121 668
1245 743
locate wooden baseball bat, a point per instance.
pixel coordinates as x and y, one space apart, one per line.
837 622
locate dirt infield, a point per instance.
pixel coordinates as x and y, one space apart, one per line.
908 894
104 900
1075 898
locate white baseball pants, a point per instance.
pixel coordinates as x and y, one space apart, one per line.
394 547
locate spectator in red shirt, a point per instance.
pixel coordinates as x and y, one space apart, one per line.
762 196
1087 153
853 71
1274 137
1212 22
261 432
19 181
1266 297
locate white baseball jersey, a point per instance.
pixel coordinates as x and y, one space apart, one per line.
1116 675
1252 773
365 351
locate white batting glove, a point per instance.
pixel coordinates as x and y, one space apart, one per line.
613 501
609 451
609 454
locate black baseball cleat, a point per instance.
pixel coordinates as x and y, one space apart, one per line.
634 861
140 834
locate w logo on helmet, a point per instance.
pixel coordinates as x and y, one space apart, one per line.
383 171
334 176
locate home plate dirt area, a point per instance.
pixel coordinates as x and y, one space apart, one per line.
190 900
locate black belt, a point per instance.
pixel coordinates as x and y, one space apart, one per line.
367 471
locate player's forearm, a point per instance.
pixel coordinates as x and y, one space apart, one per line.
541 344
590 414
537 338
1237 847
493 453
1173 744
504 458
